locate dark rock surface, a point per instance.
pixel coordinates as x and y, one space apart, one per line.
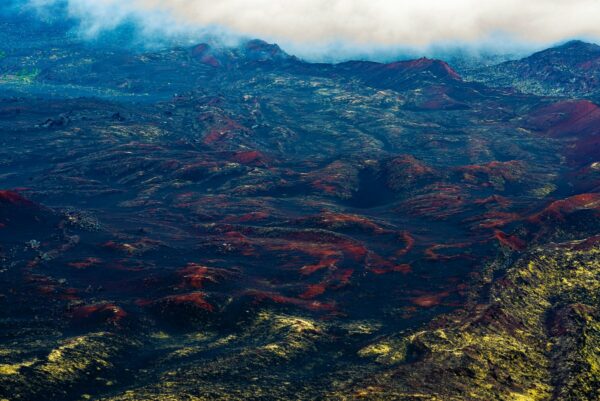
571 70
207 223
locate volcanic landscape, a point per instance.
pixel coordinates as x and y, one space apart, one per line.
208 223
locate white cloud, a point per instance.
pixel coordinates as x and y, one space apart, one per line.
354 22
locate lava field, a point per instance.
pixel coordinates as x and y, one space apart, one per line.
200 223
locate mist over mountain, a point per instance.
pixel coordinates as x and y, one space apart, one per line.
344 30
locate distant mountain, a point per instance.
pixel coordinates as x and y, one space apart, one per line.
572 69
252 52
433 83
401 73
395 75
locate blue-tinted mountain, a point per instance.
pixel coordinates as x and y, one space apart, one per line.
572 69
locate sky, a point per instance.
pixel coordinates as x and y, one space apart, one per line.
311 27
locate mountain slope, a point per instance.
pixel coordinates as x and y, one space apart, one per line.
572 69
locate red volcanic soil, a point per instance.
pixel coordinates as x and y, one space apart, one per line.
106 312
253 157
498 200
494 219
445 252
259 46
437 98
314 290
429 300
86 263
482 173
440 202
12 203
338 221
385 267
413 166
328 253
248 217
14 199
197 276
222 130
338 279
510 241
194 299
580 117
576 121
433 77
558 209
15 210
406 170
409 244
203 53
316 306
328 259
437 66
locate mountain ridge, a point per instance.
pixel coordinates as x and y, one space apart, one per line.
570 69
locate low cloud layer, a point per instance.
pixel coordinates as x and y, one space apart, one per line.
360 23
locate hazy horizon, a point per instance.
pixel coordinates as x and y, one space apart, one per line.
339 30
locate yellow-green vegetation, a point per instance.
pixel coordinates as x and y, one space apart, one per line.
289 335
14 368
271 340
544 191
148 133
389 351
24 76
363 327
74 362
538 338
533 336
